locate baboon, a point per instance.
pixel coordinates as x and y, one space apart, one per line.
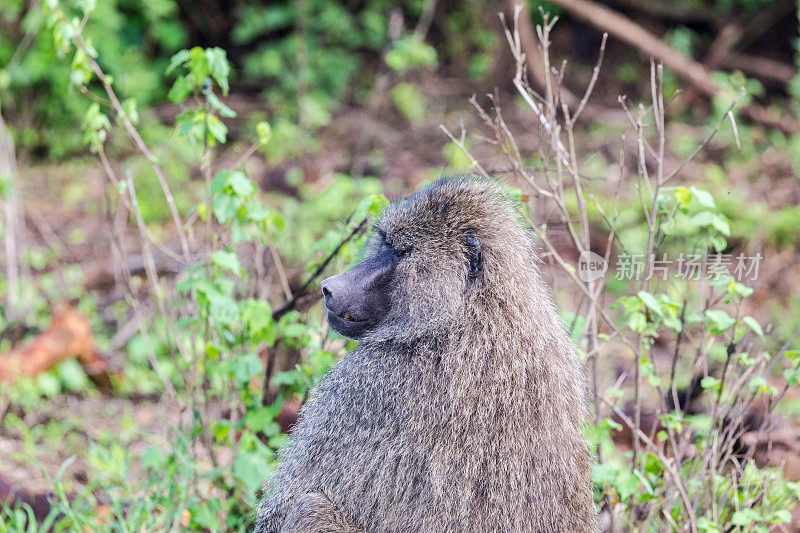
461 407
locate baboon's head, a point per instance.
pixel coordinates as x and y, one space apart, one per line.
430 256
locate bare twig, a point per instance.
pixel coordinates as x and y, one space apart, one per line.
590 87
140 144
461 146
677 478
281 272
727 115
12 220
533 53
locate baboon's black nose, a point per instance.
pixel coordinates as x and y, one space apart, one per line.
331 294
327 295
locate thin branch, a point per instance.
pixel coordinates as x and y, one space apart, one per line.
13 222
461 146
292 302
708 138
670 468
590 87
140 144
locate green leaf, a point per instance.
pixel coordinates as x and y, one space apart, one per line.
627 484
705 525
240 185
221 430
720 321
257 316
226 260
48 384
603 473
703 197
96 125
683 196
247 366
377 204
702 219
72 375
410 102
754 325
204 517
718 242
153 457
781 516
740 289
224 208
651 302
130 110
219 181
177 60
221 308
263 420
745 517
219 67
251 468
637 321
216 129
673 323
410 53
186 120
264 132
757 382
180 90
721 225
709 382
198 66
217 104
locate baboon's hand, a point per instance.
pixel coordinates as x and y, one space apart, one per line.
314 513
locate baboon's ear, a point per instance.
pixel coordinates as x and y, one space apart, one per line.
474 257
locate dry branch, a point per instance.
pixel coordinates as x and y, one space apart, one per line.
761 67
69 335
671 10
628 31
11 218
530 45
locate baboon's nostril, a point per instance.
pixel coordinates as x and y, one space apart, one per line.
326 293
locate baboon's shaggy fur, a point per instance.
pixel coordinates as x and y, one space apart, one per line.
461 411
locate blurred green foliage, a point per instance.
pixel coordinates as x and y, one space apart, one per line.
305 59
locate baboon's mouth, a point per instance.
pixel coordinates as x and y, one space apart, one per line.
347 325
346 316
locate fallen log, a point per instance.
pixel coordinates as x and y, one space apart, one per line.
69 335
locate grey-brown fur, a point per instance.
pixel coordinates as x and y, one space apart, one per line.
462 411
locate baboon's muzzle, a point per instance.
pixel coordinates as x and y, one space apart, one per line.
357 300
